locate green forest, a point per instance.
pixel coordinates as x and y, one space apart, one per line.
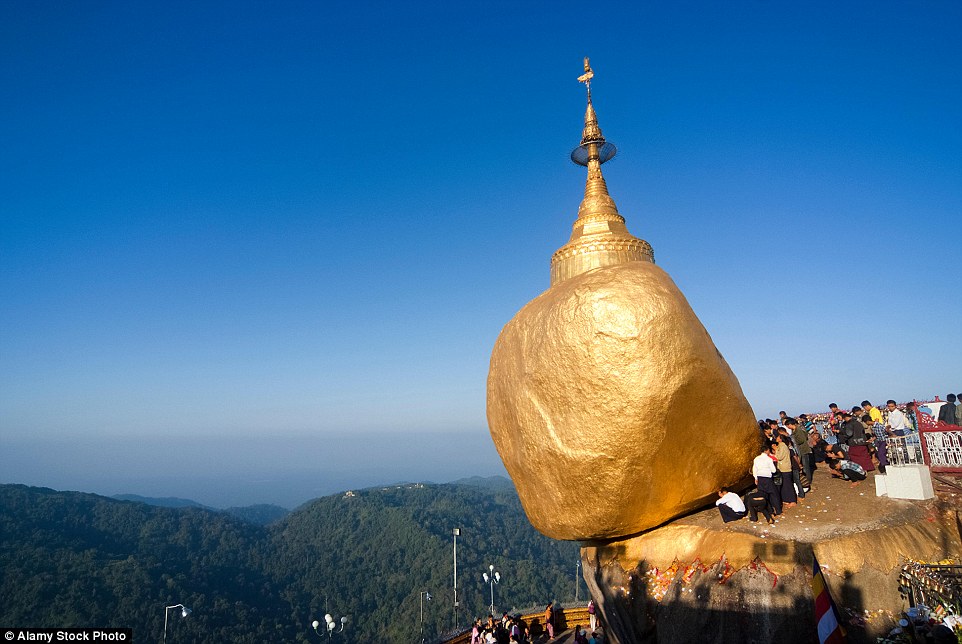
76 559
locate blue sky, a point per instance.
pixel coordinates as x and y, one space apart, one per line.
238 221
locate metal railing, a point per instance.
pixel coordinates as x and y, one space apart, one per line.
943 449
904 450
941 443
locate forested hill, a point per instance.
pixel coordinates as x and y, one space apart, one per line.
74 559
373 553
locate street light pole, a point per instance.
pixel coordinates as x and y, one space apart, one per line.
184 612
493 578
457 533
330 624
422 596
577 576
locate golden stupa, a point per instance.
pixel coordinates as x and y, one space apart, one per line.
607 400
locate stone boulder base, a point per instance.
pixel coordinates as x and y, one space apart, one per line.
683 583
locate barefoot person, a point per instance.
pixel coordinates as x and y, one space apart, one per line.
763 467
848 471
757 501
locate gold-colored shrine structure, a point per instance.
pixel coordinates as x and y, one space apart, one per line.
599 236
597 387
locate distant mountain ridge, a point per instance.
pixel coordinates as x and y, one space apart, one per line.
276 512
260 514
163 502
76 559
488 482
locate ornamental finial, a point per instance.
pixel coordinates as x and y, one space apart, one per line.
599 236
586 78
592 132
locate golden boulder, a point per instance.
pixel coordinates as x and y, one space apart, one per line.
607 400
611 407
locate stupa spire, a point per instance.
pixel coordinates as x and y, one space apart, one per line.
599 236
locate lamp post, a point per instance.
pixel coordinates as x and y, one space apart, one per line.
457 533
329 625
493 578
184 612
421 597
577 576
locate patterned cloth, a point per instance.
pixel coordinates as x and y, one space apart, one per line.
850 466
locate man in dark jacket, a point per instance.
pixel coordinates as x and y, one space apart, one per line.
947 412
852 431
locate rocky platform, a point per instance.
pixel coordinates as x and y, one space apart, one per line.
699 579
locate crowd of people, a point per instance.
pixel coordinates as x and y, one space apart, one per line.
850 443
514 630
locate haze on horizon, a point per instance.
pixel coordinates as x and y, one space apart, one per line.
248 247
238 471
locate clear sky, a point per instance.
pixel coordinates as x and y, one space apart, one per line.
226 225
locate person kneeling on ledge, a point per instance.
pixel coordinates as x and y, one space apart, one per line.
848 471
730 505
